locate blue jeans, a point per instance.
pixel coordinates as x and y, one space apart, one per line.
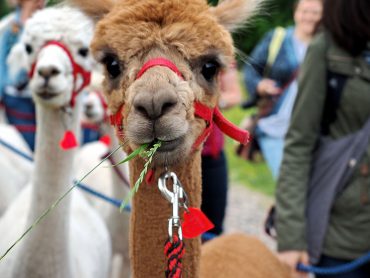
325 261
272 150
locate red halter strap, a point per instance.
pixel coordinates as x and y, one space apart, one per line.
163 62
210 115
77 70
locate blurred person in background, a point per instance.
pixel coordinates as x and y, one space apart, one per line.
10 30
338 60
270 78
214 162
19 107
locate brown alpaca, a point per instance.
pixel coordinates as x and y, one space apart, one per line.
158 103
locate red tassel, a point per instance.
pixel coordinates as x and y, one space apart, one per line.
149 177
69 141
105 140
195 223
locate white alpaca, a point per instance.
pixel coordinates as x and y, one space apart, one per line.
72 241
106 180
15 171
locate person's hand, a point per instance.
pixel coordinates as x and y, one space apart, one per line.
291 259
268 87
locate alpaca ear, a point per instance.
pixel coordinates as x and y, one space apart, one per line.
233 13
17 60
95 9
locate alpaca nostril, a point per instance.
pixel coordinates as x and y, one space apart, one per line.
167 106
143 111
47 72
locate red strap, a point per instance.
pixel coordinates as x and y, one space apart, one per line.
102 100
26 128
203 111
90 126
77 70
163 62
206 113
20 114
230 129
116 119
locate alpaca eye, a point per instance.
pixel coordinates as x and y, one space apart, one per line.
209 70
83 52
28 48
112 65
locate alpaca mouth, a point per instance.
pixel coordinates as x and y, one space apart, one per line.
91 114
46 94
171 145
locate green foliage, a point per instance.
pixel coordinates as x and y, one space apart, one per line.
253 175
4 9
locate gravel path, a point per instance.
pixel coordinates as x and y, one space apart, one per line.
246 212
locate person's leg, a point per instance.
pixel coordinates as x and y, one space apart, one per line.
214 190
272 150
361 272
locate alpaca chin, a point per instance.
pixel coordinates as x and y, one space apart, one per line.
51 98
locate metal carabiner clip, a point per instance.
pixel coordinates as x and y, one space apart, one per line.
162 185
174 198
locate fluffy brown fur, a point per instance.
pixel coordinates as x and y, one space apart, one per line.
236 12
150 214
191 35
244 256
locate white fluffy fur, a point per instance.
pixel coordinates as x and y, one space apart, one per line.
57 23
72 241
105 180
15 171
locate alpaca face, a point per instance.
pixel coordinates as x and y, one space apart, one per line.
93 108
52 82
160 104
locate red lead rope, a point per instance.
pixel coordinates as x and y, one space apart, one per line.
174 251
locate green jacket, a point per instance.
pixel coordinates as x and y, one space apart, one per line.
348 234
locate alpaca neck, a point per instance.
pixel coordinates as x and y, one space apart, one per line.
45 251
149 222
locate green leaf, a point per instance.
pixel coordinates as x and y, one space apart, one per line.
135 153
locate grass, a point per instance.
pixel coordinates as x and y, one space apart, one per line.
253 175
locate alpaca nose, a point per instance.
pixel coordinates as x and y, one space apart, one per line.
48 71
153 106
89 106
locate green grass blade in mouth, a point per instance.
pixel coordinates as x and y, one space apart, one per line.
135 153
149 156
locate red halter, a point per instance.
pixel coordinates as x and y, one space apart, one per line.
77 70
210 115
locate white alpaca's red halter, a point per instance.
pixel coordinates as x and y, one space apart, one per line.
210 115
77 70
